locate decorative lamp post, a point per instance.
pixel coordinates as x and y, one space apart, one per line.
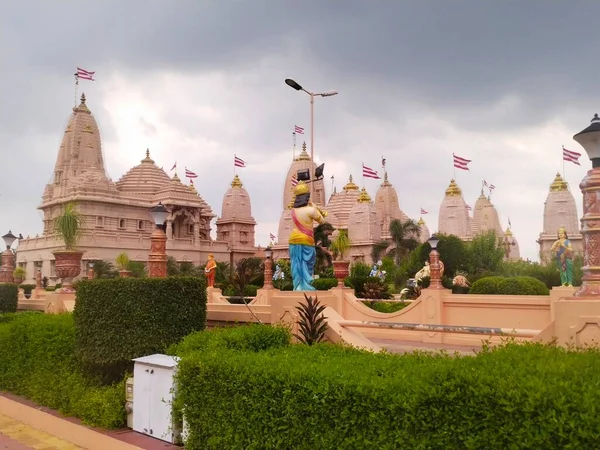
157 259
589 139
8 259
291 83
268 284
435 279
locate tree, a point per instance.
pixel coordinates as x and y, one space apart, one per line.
485 253
404 239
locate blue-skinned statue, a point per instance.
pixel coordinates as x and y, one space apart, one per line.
302 242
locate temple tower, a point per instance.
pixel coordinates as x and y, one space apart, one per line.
236 224
425 233
364 228
388 207
341 203
485 217
454 217
302 161
559 211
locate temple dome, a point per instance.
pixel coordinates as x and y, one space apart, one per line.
560 209
236 202
425 233
485 217
363 226
341 203
302 161
453 216
388 207
145 178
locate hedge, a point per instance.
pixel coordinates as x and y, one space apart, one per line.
509 286
37 361
324 284
119 319
324 396
9 297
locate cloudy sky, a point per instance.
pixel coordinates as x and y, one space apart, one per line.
504 84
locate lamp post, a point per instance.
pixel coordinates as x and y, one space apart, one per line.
157 259
589 139
291 83
268 284
435 279
8 259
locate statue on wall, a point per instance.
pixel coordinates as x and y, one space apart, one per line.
210 270
302 242
564 257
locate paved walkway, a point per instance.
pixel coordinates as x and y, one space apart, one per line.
15 435
398 346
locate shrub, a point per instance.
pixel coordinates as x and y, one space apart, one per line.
250 290
9 297
37 360
386 307
327 396
324 284
251 337
358 284
509 286
119 319
27 288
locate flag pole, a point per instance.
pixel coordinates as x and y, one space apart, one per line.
294 146
332 182
76 86
363 175
454 167
563 160
234 166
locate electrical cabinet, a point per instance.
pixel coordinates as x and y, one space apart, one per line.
153 392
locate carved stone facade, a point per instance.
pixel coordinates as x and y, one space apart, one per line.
116 216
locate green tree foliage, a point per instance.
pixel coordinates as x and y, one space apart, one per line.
485 253
9 297
248 271
104 269
404 239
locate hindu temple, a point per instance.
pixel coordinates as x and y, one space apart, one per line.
116 216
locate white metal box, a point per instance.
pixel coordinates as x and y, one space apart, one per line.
153 392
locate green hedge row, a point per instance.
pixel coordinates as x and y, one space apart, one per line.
9 297
119 319
37 361
509 286
325 396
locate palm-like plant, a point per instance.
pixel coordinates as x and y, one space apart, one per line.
68 225
404 239
312 324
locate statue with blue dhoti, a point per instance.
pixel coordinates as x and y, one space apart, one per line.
302 242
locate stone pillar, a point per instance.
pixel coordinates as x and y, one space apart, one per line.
38 276
157 259
268 284
8 266
169 230
590 230
196 237
435 276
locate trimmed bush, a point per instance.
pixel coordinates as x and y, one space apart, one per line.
386 307
332 397
251 337
9 297
509 286
37 361
119 319
324 284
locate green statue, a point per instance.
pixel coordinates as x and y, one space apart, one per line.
564 257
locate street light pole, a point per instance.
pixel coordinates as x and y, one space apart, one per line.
291 83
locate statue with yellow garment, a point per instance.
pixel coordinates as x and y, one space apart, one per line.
302 242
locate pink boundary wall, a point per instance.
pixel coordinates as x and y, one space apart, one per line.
554 317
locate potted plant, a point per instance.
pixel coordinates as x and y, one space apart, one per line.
123 265
67 262
339 247
19 275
